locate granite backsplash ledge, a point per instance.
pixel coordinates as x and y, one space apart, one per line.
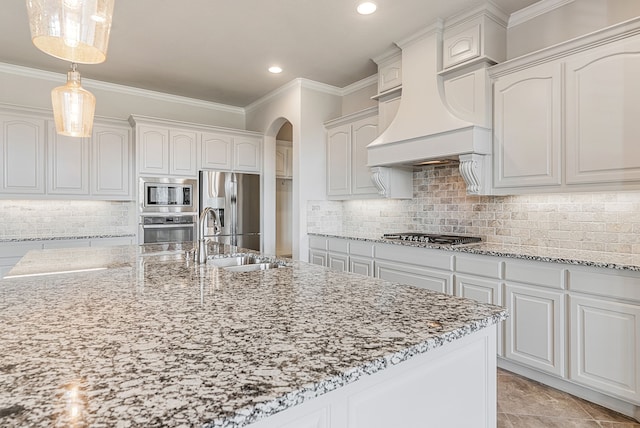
592 222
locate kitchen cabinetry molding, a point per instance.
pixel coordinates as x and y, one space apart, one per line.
576 328
190 147
573 128
37 163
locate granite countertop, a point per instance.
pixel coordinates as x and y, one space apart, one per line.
66 238
553 255
140 336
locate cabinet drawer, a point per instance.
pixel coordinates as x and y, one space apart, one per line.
338 245
412 275
361 248
317 243
537 273
483 266
615 285
418 256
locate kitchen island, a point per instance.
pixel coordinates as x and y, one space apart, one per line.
141 336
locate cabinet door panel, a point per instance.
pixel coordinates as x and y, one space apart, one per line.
361 265
318 257
602 125
605 349
535 329
527 127
111 161
22 147
339 262
153 150
216 151
182 153
460 47
68 161
246 154
339 161
363 132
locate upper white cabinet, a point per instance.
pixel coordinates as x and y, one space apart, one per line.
183 147
216 151
527 127
477 35
166 151
111 154
166 147
565 118
68 164
22 154
36 162
284 159
247 154
602 126
348 175
390 73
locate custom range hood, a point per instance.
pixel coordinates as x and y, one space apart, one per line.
441 116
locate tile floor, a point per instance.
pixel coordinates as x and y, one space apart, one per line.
523 403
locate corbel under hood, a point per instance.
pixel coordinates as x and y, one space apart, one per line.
425 128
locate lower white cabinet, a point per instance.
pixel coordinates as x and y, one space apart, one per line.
338 262
605 347
414 275
361 265
534 332
318 257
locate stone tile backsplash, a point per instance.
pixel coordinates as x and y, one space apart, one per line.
603 222
28 219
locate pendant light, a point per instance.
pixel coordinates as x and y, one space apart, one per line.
73 30
73 107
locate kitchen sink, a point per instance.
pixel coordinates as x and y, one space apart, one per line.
252 267
233 261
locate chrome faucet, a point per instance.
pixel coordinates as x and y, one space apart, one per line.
201 255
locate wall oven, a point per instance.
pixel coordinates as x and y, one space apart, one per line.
156 229
168 195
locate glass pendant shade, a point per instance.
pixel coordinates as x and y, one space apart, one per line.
73 30
73 107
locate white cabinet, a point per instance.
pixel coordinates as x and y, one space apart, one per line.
182 152
348 175
604 327
421 267
216 151
482 36
166 151
226 151
111 155
153 150
528 128
68 164
390 73
247 154
284 159
22 154
605 346
564 119
338 254
602 127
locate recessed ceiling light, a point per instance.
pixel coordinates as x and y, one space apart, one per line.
275 69
366 8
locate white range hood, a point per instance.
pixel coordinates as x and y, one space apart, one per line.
425 127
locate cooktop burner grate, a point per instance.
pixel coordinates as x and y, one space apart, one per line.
432 238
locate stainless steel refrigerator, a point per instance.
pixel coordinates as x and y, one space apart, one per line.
235 198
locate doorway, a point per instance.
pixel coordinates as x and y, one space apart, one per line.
284 190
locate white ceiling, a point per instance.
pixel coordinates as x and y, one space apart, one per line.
219 50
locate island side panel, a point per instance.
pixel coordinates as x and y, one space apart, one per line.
450 386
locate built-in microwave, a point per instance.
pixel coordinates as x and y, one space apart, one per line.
168 195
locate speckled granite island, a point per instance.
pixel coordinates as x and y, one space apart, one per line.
140 336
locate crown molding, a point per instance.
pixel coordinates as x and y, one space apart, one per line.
360 84
113 87
540 8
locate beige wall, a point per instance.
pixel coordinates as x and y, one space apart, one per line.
359 100
574 19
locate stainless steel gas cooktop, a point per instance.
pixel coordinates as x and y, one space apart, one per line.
431 238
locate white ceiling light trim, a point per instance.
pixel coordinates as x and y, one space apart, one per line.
275 69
